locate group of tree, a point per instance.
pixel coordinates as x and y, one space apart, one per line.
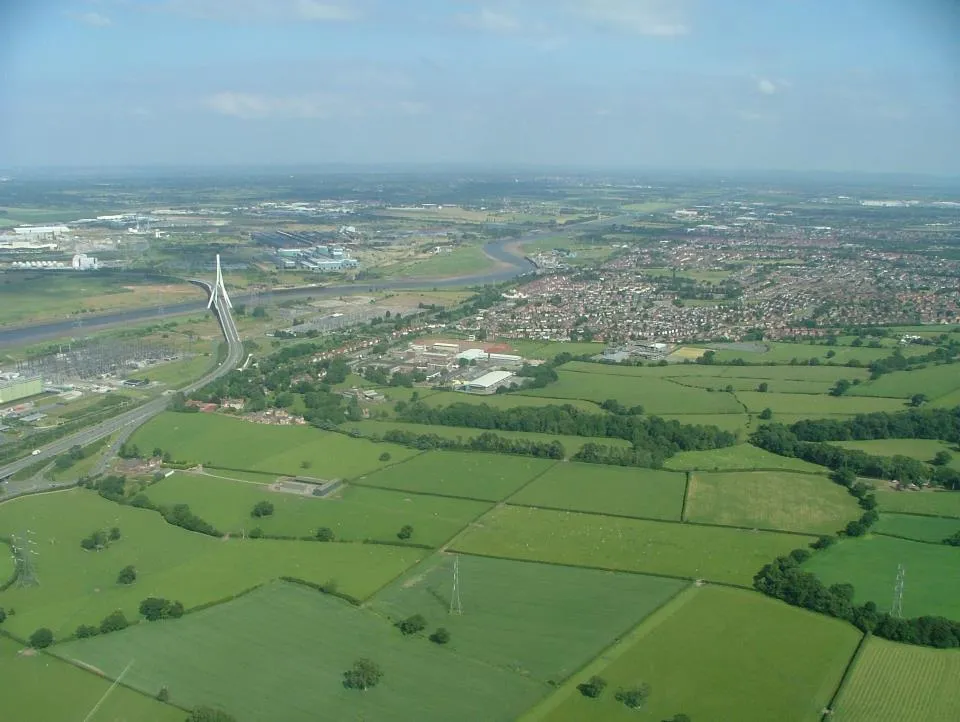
785 579
632 697
156 608
113 622
75 454
412 624
363 675
324 534
486 441
100 539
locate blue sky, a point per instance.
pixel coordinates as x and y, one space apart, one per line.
846 85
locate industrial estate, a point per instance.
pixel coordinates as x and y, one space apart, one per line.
479 448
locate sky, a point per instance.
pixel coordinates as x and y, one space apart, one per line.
803 85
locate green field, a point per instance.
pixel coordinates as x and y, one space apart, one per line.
506 401
354 513
279 654
44 688
937 503
473 475
178 373
571 444
736 423
948 401
870 564
607 489
922 528
786 386
812 405
717 654
783 352
548 349
781 500
79 587
539 620
684 550
222 441
738 458
922 449
934 381
656 395
727 374
901 683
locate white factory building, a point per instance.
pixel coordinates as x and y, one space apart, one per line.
83 262
488 382
41 231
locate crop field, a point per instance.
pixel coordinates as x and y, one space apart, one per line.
29 680
716 654
901 683
937 503
782 500
819 406
738 458
79 587
507 401
279 653
513 611
469 474
655 547
921 449
216 440
934 381
354 513
656 395
608 490
913 526
870 564
572 444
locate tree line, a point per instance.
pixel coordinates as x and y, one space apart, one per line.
486 441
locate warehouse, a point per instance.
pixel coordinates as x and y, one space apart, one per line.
488 382
20 388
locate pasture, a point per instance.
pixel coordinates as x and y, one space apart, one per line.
782 352
539 620
913 526
79 587
222 441
816 406
870 564
921 449
654 547
607 490
781 500
936 503
742 457
473 475
178 373
571 444
354 513
934 381
656 395
716 654
901 683
41 687
279 653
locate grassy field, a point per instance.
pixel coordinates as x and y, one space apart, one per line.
736 423
870 564
217 440
29 680
513 612
716 654
79 587
564 537
549 349
572 444
607 489
469 474
934 381
819 406
901 683
737 458
784 352
948 401
770 374
922 449
178 373
656 395
506 401
937 503
459 262
280 652
354 514
786 386
781 500
922 528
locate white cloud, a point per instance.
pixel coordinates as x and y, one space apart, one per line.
93 19
266 10
312 106
640 17
767 87
490 20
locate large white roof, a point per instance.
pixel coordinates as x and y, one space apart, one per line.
489 379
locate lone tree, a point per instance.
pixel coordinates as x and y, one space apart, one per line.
115 534
114 622
3 615
942 458
593 687
261 509
412 625
766 414
41 639
406 531
127 575
385 456
325 534
633 697
441 636
363 675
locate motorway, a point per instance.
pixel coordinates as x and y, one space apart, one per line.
126 423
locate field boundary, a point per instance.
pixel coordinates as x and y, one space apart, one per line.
440 494
845 677
528 482
686 494
910 538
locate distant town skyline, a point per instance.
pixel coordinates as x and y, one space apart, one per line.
848 85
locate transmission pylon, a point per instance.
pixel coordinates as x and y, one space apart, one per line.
24 550
897 608
455 606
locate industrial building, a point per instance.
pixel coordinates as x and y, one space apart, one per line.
35 232
489 382
83 262
318 258
17 387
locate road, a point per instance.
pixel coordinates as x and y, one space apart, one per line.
126 423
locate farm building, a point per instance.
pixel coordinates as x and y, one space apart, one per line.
489 381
